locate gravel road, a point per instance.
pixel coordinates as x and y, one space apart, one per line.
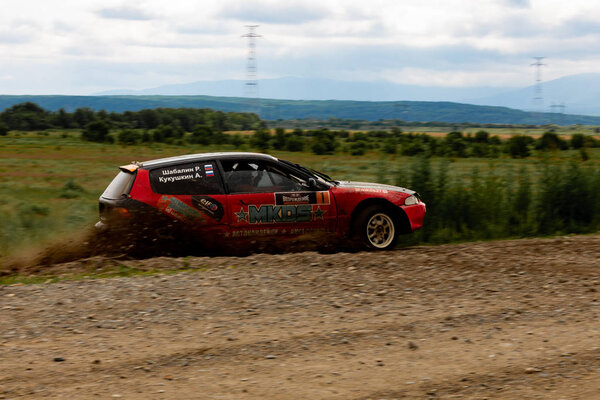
495 320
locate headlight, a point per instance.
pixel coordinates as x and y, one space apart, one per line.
411 200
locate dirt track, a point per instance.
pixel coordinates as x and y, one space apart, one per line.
497 320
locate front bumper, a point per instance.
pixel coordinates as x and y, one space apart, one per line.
416 215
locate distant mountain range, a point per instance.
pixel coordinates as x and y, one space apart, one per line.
317 89
273 109
580 94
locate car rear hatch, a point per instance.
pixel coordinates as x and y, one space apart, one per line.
116 193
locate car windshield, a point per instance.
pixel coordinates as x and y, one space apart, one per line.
316 174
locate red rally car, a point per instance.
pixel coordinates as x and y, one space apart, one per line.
219 198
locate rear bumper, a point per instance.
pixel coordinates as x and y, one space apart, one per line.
101 226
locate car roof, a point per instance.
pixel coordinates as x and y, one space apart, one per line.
204 157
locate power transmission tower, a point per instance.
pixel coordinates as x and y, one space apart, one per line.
538 99
555 109
561 112
558 109
562 107
251 85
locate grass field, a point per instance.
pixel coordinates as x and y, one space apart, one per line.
50 182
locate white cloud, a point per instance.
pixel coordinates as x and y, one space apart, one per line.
274 12
125 13
77 46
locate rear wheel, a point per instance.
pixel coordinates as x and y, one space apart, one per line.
377 228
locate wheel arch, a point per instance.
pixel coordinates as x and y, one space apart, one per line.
397 212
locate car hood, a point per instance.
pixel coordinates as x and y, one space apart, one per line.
366 186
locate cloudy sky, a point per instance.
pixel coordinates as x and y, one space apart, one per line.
85 46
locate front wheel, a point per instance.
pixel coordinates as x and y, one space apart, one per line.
376 228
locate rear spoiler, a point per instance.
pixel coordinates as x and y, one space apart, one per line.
131 168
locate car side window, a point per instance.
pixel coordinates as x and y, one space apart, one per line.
257 176
187 179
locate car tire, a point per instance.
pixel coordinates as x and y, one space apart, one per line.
376 228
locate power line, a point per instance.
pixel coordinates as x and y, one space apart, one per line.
251 84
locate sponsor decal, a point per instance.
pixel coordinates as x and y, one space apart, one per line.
255 232
370 190
295 198
241 216
176 208
318 213
289 198
269 214
208 169
208 206
271 232
303 231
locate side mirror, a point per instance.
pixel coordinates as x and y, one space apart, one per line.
312 183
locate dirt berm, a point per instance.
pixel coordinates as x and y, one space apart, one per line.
495 320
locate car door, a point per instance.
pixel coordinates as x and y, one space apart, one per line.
193 193
268 199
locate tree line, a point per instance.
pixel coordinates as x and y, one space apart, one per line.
384 124
206 127
455 144
29 117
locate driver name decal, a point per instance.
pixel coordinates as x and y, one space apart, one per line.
181 174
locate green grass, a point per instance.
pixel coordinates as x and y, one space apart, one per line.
50 184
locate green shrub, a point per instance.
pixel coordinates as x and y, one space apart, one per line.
324 142
202 134
294 143
389 146
71 190
97 131
551 141
30 215
146 137
261 139
358 148
319 148
280 139
129 136
577 141
413 148
482 137
480 149
518 146
166 133
3 129
237 141
454 145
